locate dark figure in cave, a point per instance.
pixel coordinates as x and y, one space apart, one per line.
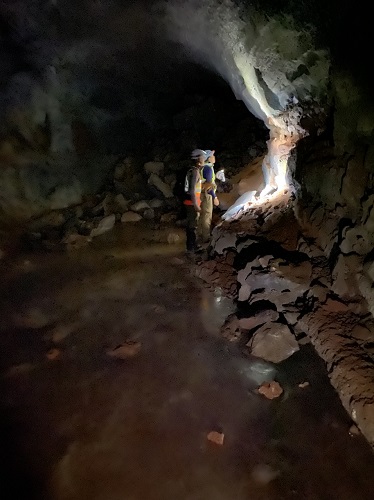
192 199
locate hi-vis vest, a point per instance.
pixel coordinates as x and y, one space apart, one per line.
188 188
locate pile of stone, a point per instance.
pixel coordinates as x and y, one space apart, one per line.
75 227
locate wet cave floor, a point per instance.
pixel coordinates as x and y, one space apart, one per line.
77 423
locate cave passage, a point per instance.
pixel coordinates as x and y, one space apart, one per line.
130 368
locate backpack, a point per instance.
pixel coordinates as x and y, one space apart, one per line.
187 181
182 185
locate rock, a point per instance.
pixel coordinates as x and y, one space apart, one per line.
124 351
354 430
231 328
121 203
345 276
50 245
121 187
75 241
216 437
156 203
226 241
244 292
304 340
154 167
131 217
53 354
139 206
78 212
158 309
149 214
362 332
33 318
105 207
154 180
320 292
177 261
2 254
20 369
170 217
264 474
60 332
264 261
335 306
270 390
303 385
120 171
274 286
357 240
173 238
273 342
295 273
171 179
258 319
52 219
104 226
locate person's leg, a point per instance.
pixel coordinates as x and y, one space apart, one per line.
200 220
192 221
205 217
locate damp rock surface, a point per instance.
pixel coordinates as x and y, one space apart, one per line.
88 425
266 259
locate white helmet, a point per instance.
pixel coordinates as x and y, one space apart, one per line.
196 153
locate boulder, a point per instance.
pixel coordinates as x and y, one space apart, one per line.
121 203
156 203
52 219
149 214
106 206
272 286
171 179
120 171
345 276
131 217
357 240
105 225
363 333
139 206
227 240
244 292
258 319
265 259
165 189
169 217
154 167
273 342
78 211
33 318
75 241
173 238
231 328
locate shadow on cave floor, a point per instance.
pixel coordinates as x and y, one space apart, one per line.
89 426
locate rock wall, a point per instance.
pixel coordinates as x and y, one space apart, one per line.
286 293
334 208
48 184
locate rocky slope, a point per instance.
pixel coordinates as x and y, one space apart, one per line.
289 284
